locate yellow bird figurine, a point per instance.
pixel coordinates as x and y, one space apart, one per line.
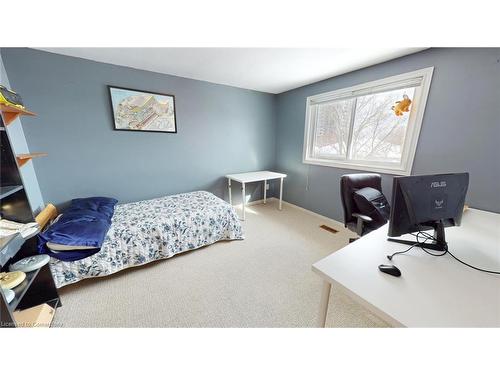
402 106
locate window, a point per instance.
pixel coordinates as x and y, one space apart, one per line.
358 128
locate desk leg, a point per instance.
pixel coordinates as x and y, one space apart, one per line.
323 309
229 189
265 191
281 191
243 198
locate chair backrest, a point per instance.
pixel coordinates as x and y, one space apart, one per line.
349 183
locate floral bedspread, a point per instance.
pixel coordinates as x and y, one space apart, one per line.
145 231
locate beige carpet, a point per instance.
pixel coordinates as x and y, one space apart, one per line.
262 281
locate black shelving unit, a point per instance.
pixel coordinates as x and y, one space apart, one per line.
38 287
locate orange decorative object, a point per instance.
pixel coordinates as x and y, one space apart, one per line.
402 106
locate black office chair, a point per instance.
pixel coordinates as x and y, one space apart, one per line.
353 219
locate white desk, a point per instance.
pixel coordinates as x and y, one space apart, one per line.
245 178
432 291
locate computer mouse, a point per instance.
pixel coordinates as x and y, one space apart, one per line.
390 269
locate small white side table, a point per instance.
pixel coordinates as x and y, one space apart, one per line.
245 178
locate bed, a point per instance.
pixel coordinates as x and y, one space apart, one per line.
145 231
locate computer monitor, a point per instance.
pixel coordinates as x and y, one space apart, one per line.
427 202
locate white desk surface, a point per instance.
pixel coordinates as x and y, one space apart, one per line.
255 176
432 291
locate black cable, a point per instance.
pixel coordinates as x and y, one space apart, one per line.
428 237
445 251
471 266
401 252
417 243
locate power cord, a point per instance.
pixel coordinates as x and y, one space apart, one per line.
446 250
471 266
428 237
418 243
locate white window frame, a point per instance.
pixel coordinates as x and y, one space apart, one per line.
419 102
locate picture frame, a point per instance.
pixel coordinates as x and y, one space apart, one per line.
143 111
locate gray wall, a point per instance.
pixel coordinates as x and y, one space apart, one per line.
460 131
224 130
19 146
221 130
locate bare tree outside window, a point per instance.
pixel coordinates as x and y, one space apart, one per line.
378 134
361 127
332 129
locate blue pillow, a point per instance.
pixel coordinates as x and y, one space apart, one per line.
78 228
84 223
103 205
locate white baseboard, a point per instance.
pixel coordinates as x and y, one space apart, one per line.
285 203
311 212
261 201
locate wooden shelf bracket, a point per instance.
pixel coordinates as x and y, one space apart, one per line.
24 158
10 113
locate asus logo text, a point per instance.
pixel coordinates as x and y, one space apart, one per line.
437 184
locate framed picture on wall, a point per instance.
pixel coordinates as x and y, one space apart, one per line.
137 110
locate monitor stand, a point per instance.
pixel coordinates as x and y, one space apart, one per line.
438 245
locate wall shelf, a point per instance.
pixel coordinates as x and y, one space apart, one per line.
38 288
4 241
10 113
22 288
24 158
5 191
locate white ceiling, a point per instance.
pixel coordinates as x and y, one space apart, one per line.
272 70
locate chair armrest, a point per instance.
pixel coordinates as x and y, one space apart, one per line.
361 220
368 219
